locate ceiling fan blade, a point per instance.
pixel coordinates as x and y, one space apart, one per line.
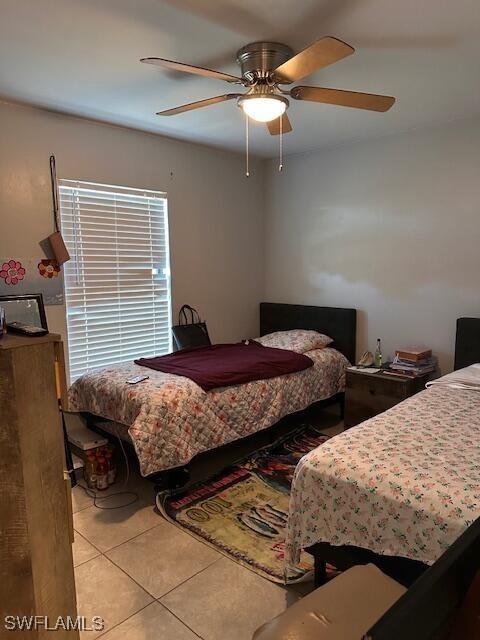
369 101
318 55
198 105
274 125
188 68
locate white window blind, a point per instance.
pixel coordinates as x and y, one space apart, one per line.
117 283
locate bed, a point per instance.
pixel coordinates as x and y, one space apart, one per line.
401 486
170 420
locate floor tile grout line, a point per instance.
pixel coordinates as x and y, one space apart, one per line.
126 619
176 616
82 509
129 576
179 619
146 502
75 566
181 530
104 554
133 580
158 598
85 538
146 590
137 535
161 520
154 599
120 544
141 501
187 579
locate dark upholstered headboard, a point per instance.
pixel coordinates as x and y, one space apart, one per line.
339 324
467 342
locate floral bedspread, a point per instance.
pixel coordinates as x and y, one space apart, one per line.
171 419
405 483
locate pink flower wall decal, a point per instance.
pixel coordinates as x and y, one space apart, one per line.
12 272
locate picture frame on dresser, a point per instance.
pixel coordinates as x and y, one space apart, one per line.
26 308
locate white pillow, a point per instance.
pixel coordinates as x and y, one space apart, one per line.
299 340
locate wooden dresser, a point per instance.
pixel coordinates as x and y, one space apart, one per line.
36 531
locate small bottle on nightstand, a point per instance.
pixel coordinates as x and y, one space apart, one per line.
378 354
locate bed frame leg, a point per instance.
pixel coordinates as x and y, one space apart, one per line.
172 479
320 572
342 405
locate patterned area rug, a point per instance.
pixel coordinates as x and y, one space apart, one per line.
243 511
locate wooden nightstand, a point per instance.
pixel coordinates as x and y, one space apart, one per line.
368 394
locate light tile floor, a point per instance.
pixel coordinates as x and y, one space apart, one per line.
148 579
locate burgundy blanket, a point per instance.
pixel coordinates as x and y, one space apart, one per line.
224 365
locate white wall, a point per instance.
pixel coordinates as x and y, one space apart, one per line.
390 227
215 213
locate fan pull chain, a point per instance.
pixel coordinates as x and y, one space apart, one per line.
247 172
280 161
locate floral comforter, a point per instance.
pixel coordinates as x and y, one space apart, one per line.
405 483
171 419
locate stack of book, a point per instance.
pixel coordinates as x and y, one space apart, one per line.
413 362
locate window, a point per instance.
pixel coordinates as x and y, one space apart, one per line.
117 283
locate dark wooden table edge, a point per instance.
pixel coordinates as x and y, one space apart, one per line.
403 570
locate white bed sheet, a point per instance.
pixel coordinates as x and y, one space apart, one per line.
405 483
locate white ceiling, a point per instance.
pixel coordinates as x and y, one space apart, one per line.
82 57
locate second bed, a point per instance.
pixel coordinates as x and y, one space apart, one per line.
170 419
404 484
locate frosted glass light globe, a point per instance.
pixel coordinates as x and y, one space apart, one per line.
263 109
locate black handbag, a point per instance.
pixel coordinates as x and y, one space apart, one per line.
190 330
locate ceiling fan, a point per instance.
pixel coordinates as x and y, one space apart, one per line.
265 68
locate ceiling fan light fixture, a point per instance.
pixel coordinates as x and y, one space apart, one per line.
263 108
